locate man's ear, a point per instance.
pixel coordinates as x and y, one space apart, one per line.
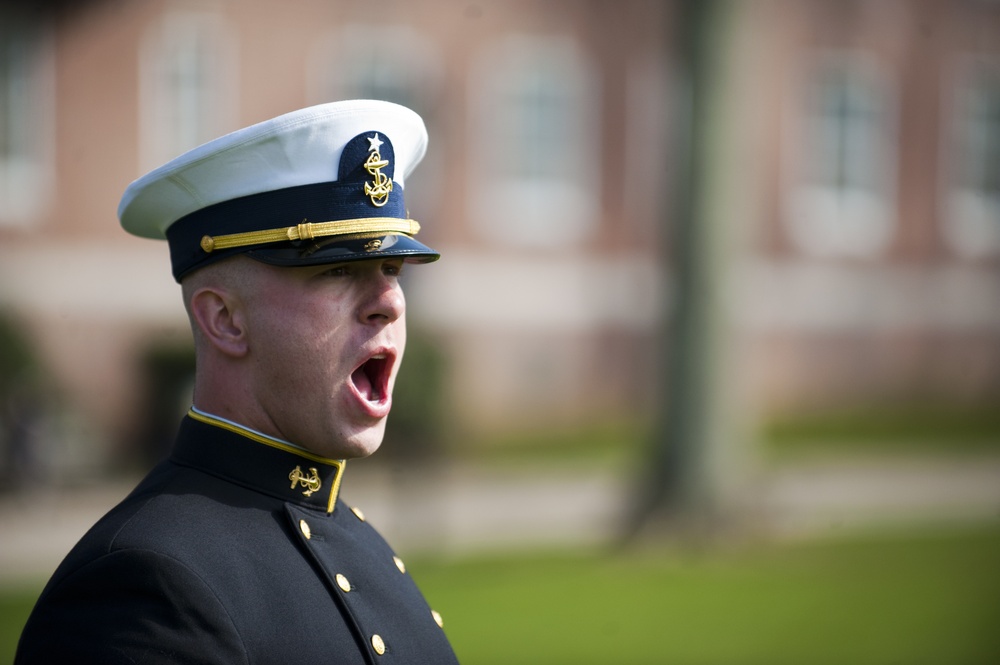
218 316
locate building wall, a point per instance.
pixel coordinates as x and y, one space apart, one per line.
891 316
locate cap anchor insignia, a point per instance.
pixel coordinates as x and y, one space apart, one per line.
379 190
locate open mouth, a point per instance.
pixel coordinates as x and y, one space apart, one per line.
371 379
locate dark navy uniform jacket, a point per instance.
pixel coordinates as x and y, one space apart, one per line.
234 550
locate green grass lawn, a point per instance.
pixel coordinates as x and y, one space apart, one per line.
885 431
884 600
909 601
15 604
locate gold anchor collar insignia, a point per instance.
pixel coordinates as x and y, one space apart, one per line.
378 190
312 483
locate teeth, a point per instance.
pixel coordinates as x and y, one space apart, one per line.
380 356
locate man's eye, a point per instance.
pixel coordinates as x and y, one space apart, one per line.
336 271
393 269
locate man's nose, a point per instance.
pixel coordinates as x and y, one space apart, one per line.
384 300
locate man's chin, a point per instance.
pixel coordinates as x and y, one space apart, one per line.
361 452
359 445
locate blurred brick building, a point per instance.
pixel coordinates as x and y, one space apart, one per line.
870 217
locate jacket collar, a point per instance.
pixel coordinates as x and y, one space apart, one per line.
262 463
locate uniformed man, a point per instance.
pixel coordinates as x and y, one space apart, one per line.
288 239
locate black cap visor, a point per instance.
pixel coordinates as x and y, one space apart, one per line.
340 250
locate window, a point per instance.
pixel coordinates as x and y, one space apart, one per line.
187 83
534 162
402 67
26 118
842 171
972 199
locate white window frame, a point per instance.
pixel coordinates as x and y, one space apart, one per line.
970 211
26 171
840 168
188 84
534 178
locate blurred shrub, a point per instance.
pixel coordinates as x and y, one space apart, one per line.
22 407
19 364
168 377
416 425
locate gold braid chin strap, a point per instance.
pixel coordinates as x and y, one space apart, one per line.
310 230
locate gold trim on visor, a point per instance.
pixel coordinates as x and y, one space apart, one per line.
310 230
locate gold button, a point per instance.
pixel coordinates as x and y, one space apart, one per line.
437 619
357 511
378 644
343 583
399 564
306 531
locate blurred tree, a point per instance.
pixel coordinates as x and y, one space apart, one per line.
693 464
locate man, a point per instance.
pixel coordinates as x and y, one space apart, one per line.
288 238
